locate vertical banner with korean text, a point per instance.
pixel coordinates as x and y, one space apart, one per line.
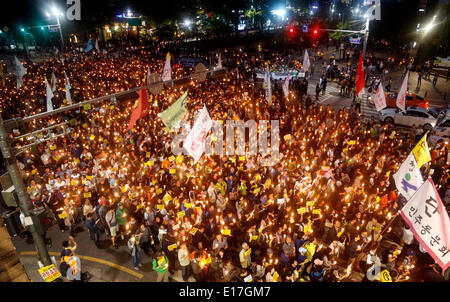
195 140
429 222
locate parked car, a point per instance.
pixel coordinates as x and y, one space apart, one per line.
442 127
411 117
412 99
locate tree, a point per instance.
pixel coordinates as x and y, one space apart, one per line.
337 35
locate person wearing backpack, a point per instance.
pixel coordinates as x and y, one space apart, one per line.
134 251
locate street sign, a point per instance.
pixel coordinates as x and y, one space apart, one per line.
305 28
355 40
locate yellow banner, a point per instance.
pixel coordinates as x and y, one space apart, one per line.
421 152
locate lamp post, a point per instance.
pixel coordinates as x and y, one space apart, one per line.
57 14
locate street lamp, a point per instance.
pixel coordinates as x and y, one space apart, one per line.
57 14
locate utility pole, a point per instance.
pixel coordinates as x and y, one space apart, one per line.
24 198
366 37
60 32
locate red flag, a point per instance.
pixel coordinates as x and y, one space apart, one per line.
141 110
360 82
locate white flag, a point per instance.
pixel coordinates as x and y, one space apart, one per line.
428 219
286 87
96 46
49 96
53 82
219 65
195 140
306 63
20 72
401 97
380 98
167 72
408 178
68 87
268 87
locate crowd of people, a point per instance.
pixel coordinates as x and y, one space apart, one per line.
326 212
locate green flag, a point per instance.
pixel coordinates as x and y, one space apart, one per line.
171 116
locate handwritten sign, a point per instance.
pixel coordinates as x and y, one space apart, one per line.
49 273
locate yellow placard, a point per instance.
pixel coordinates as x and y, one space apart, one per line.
76 161
208 260
198 209
301 210
139 206
171 158
161 260
203 262
34 172
172 171
388 173
89 177
62 215
180 159
172 246
193 231
309 203
124 189
88 194
241 158
317 211
147 155
92 137
254 237
160 206
287 137
188 205
167 197
352 142
158 191
53 147
181 214
85 125
226 232
49 273
307 229
233 160
345 150
385 276
275 277
256 190
248 252
57 158
73 182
